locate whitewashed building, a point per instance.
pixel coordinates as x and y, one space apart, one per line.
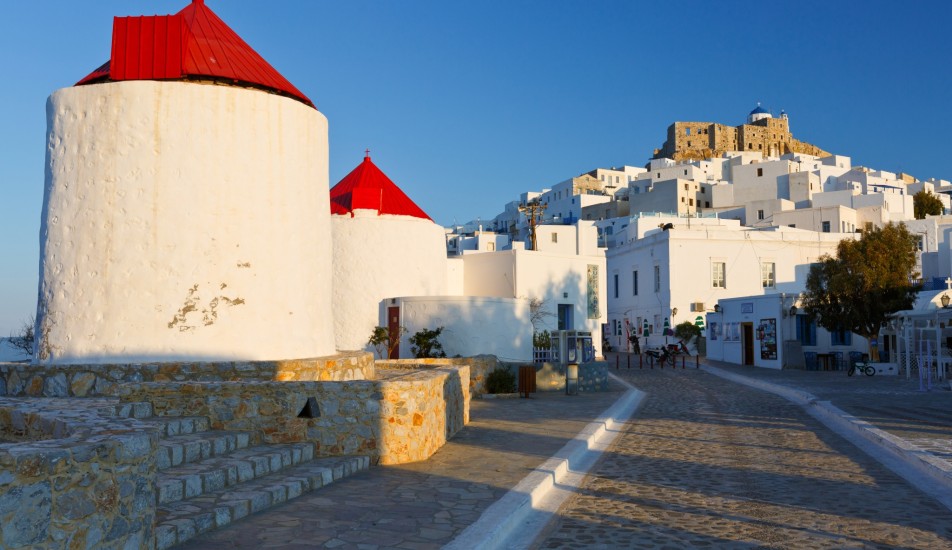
166 234
673 269
384 245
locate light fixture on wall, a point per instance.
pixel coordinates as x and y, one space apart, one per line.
717 308
674 312
944 299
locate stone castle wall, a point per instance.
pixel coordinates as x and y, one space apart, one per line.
702 140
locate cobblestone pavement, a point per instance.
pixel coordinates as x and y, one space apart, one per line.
424 505
901 407
708 463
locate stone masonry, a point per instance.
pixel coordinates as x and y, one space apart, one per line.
79 472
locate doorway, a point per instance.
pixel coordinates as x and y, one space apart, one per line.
747 342
565 316
393 328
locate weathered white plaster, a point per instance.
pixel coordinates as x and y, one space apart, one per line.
183 221
376 257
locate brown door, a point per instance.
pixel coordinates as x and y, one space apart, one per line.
393 326
748 343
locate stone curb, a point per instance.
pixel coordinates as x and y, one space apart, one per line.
519 516
936 471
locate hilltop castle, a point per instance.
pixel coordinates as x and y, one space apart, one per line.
762 133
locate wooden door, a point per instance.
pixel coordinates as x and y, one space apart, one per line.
393 326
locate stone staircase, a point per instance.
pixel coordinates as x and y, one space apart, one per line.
208 479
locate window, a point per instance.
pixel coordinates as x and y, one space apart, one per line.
659 174
826 227
685 172
841 338
687 131
555 237
491 246
768 274
760 172
806 331
703 191
760 214
685 187
616 285
657 278
690 202
718 275
707 204
634 283
919 241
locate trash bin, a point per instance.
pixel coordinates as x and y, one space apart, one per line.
527 380
571 379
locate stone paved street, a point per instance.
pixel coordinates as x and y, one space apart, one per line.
710 463
891 403
424 505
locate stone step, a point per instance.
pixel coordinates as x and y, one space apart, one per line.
180 521
189 448
212 474
172 426
132 409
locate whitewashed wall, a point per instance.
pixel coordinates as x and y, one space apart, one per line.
471 325
558 279
183 221
684 256
376 257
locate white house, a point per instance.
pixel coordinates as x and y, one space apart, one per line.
770 331
674 269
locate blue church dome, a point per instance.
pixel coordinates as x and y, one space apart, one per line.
760 111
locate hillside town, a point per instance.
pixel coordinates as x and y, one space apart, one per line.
232 351
688 233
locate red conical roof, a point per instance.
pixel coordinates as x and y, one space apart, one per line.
192 44
366 187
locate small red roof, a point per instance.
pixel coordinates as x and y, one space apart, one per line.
366 187
192 44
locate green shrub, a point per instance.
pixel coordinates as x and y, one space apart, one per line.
501 381
686 330
426 343
542 340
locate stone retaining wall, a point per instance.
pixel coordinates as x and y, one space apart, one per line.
403 417
73 478
479 367
592 377
25 379
549 377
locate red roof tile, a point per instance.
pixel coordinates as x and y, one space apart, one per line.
192 44
366 187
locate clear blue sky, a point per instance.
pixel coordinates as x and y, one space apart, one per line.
466 104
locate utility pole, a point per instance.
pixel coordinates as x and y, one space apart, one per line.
532 210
